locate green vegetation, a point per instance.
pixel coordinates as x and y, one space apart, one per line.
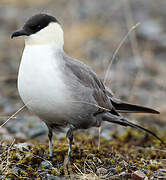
116 158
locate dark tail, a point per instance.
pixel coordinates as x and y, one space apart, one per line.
131 108
124 122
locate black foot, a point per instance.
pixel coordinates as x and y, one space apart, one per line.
69 135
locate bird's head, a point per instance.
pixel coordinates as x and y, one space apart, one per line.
41 29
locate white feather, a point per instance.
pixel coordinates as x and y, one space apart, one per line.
51 34
40 81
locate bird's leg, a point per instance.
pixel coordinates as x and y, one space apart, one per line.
69 135
50 143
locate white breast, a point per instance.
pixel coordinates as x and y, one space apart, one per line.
40 81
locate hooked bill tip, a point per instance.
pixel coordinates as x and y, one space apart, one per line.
17 33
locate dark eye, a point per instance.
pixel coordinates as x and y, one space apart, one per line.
38 26
35 27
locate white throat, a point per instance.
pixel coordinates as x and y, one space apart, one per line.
52 34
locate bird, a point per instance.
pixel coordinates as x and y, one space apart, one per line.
62 91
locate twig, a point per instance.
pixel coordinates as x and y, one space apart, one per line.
78 168
117 49
3 117
12 116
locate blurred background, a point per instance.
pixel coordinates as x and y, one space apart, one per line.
93 31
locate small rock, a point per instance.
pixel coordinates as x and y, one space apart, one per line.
124 163
112 170
146 171
23 146
52 177
122 174
16 169
45 164
101 171
138 175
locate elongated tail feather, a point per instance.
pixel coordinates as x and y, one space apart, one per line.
124 122
131 108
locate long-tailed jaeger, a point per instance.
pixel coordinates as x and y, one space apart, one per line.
62 91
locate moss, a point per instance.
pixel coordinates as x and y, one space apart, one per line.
24 173
153 167
85 157
42 168
119 169
54 172
34 173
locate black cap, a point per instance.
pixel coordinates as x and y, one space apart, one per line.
35 24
